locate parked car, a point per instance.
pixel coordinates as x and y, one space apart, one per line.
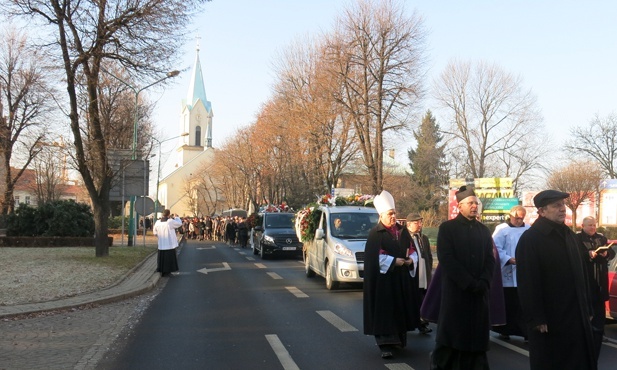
337 250
275 235
611 305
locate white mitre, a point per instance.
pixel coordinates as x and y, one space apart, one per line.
383 202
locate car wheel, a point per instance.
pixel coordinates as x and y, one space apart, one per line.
307 268
261 252
330 283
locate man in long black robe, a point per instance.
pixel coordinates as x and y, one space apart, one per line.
597 264
390 298
465 253
554 290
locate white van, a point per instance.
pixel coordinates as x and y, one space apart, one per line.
337 250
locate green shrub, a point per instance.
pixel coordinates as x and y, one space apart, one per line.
116 222
56 218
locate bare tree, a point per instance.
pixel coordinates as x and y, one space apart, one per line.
25 94
306 93
598 140
580 179
377 52
140 36
492 120
50 169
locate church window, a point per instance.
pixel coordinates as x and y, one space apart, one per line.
198 136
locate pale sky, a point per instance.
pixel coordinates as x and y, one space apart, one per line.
565 52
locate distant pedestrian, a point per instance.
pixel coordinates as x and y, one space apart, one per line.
243 232
554 291
165 230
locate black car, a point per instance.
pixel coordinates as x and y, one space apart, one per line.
275 235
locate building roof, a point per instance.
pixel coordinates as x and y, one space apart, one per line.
197 90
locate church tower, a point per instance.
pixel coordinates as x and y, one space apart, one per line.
195 117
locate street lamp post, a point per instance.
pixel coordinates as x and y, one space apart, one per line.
132 221
158 173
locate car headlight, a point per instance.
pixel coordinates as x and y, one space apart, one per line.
268 239
342 250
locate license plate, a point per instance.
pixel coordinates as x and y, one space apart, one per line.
289 248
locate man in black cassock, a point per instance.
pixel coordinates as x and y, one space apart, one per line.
465 253
597 264
390 298
554 290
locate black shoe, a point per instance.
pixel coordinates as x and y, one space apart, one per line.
386 354
424 329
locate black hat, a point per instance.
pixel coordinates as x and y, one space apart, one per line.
463 193
547 197
414 217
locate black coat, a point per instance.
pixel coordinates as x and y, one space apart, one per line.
554 290
425 252
390 299
465 253
598 267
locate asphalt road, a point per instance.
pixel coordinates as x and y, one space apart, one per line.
229 309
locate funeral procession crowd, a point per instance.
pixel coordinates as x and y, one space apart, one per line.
543 283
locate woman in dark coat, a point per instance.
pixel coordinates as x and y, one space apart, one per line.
390 309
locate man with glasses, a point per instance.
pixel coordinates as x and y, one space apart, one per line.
465 253
597 263
554 290
506 238
390 296
425 260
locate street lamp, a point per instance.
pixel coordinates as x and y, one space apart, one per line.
132 229
158 173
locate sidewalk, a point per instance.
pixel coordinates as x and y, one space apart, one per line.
140 279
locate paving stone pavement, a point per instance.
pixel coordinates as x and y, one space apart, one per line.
75 333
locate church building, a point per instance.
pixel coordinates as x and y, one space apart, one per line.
194 149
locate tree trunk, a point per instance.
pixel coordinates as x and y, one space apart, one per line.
101 220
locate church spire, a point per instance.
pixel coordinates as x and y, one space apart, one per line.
197 91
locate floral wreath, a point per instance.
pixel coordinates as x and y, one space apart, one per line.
307 219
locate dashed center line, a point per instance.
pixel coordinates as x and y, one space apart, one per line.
336 321
509 346
250 258
297 292
260 265
280 352
399 366
274 275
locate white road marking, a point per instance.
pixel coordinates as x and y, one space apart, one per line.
336 321
509 346
274 275
610 344
297 292
260 265
224 268
250 258
400 366
242 253
280 352
210 247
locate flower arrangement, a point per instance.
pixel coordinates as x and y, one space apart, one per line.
307 219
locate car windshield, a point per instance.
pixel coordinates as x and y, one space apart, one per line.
352 225
280 221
